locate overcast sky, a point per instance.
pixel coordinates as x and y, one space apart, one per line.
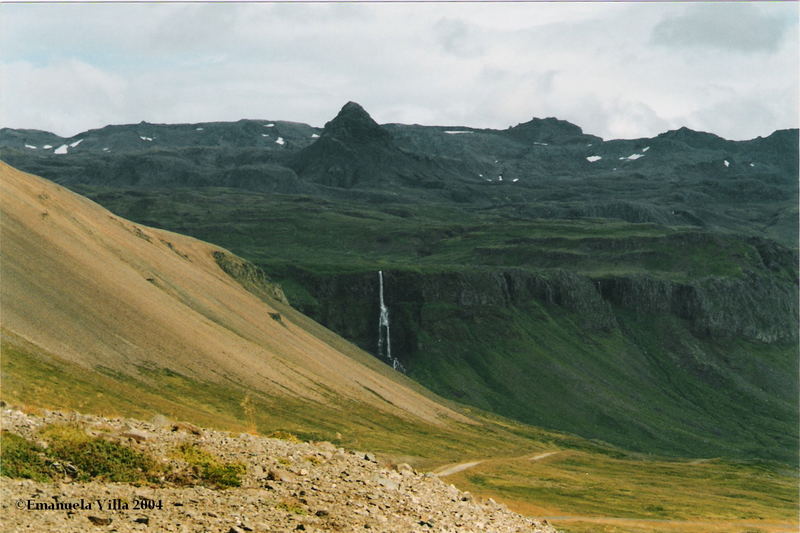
617 70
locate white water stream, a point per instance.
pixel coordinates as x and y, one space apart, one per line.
384 332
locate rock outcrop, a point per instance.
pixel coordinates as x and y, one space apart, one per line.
249 276
754 306
355 152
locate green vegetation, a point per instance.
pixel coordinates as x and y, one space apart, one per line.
326 236
630 302
539 365
21 458
565 364
210 469
603 379
284 435
292 506
593 478
71 452
95 457
215 405
581 484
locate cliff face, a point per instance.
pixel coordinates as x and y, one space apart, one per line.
755 307
348 303
702 366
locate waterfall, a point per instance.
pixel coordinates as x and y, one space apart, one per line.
384 336
384 332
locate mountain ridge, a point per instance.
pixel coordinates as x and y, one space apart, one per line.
548 165
670 260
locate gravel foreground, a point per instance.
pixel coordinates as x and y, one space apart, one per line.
288 486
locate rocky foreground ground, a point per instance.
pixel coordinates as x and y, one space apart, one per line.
287 486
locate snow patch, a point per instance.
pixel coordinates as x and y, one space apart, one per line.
270 125
456 132
265 134
314 136
280 141
634 157
540 144
61 149
646 148
76 143
515 180
145 138
499 178
752 164
727 163
105 149
47 146
593 158
32 147
198 129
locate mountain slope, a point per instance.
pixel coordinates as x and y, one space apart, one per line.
542 168
102 292
102 315
637 282
353 151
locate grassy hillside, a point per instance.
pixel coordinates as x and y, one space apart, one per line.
105 316
659 338
600 488
276 230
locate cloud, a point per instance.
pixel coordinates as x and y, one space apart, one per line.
728 27
457 38
751 115
612 68
64 98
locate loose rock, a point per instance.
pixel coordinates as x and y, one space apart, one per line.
347 492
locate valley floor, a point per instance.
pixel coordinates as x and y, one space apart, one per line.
589 492
638 525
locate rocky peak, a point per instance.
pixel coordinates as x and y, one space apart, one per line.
353 123
546 130
697 139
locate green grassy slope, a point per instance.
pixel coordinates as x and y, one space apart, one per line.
650 385
651 380
582 479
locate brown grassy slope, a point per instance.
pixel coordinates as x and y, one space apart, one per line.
100 291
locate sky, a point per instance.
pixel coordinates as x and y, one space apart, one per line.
618 70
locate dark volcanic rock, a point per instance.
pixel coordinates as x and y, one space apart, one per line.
696 139
756 307
353 124
348 303
550 130
352 151
355 152
545 168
